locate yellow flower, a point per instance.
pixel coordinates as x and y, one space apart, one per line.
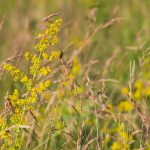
45 55
75 69
29 84
13 71
54 40
2 123
137 94
49 36
147 91
40 88
116 146
139 84
34 68
8 67
24 79
47 83
125 106
16 92
45 70
27 55
23 101
54 55
125 90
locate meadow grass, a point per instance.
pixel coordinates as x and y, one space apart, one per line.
78 79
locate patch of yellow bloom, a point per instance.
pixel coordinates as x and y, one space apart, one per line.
49 36
147 91
27 56
123 138
13 71
125 90
140 90
43 86
2 123
125 106
139 84
75 69
54 55
44 55
116 146
21 102
45 70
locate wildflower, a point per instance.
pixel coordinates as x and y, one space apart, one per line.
24 79
45 55
27 55
54 55
49 36
125 106
34 68
116 146
54 40
47 83
29 84
40 88
76 90
137 94
125 90
2 123
139 84
13 71
45 70
33 90
8 67
75 69
147 91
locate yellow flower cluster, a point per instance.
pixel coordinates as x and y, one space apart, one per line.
34 68
69 83
45 55
8 141
27 55
13 71
17 102
116 146
49 36
21 102
125 106
76 90
2 123
75 69
123 138
141 90
45 70
42 86
54 55
18 75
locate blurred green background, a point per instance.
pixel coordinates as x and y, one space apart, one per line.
19 21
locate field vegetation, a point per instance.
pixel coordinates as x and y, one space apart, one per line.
74 75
